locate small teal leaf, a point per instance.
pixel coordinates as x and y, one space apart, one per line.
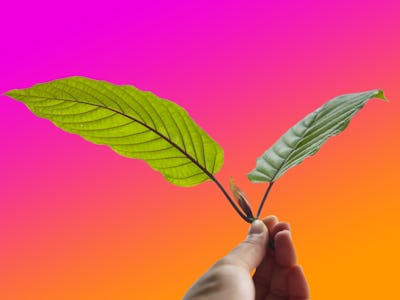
307 136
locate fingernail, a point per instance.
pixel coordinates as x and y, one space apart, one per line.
257 227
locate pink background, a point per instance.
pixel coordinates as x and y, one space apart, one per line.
77 221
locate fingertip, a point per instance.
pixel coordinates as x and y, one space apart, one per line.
284 249
270 222
271 218
284 237
258 227
280 227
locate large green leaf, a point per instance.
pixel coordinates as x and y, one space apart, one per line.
133 123
307 136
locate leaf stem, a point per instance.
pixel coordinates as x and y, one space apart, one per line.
264 198
243 216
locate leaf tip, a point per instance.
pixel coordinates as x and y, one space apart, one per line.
9 93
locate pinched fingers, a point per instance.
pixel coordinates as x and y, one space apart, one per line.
263 275
278 271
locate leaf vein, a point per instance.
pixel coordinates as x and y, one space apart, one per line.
159 116
137 143
185 177
175 166
147 151
112 114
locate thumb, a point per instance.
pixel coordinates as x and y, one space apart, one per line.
251 251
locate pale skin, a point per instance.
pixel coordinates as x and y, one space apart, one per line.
277 275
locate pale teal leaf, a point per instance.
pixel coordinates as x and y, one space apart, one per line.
133 123
307 136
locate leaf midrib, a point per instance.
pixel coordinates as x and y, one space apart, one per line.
317 113
294 148
210 175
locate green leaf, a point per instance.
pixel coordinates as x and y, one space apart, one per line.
133 123
307 136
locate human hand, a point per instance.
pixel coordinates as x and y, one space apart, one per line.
277 275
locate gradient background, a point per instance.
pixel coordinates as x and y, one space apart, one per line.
77 221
